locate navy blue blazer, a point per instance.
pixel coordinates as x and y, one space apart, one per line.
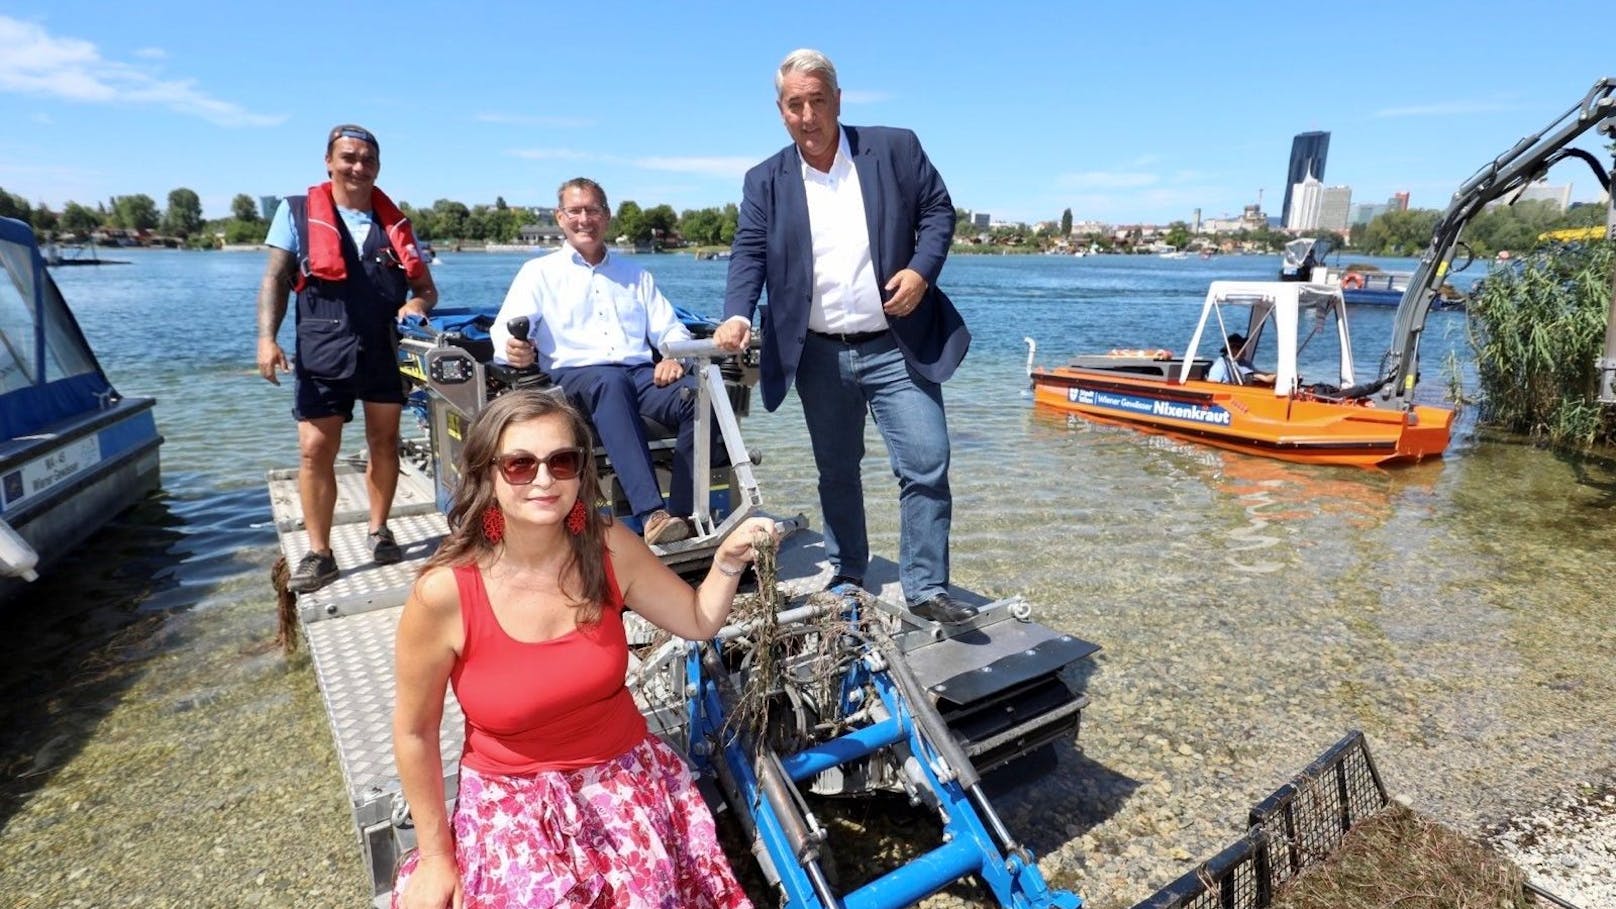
911 223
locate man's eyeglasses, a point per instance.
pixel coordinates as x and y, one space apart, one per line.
582 212
520 468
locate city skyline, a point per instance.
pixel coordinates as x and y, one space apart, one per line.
1121 115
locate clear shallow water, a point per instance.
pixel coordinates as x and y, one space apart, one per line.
1452 609
179 326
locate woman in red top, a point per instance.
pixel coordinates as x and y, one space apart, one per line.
565 799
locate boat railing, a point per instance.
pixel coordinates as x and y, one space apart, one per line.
1165 368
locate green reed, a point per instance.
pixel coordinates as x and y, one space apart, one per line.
1537 327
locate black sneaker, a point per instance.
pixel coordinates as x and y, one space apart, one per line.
844 587
383 548
313 572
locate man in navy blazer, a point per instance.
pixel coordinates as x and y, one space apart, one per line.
847 229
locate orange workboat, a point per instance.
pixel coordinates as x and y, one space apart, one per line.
1228 400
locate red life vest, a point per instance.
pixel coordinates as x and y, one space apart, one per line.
323 257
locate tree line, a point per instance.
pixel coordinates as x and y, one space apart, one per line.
1505 227
1393 233
445 221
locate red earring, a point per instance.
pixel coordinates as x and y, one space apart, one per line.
493 524
577 517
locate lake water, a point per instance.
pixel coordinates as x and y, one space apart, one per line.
1473 587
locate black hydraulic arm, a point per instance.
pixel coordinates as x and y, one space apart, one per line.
1506 176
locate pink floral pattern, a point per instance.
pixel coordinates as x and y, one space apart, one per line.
631 833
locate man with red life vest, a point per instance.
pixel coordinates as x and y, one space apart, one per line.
351 257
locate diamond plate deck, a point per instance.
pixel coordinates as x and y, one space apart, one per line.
350 624
414 495
363 585
353 661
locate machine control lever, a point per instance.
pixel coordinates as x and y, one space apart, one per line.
522 376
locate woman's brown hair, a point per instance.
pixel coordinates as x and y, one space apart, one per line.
474 494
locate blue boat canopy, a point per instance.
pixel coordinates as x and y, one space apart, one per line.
47 370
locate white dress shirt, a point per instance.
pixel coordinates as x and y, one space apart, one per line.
587 315
847 297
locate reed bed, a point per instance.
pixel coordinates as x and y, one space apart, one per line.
1537 329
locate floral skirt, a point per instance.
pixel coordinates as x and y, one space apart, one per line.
631 833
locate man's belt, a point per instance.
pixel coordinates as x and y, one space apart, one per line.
851 337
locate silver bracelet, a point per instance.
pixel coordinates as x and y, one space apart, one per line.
728 572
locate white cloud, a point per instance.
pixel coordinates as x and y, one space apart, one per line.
857 96
151 53
1105 179
34 62
1447 108
549 154
533 120
708 166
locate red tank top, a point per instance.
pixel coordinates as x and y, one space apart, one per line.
556 705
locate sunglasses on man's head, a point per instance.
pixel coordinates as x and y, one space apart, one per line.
520 468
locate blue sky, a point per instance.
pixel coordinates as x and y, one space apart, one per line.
1122 112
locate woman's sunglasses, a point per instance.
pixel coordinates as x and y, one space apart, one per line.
521 468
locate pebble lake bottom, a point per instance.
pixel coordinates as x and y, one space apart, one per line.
156 750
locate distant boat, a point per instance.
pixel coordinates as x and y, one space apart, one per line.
78 255
73 452
1361 283
719 255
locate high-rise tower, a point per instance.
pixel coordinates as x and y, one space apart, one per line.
1308 151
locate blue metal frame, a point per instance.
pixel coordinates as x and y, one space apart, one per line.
968 846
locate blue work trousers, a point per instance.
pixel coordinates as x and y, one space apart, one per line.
615 398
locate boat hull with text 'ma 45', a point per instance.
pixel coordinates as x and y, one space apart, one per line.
1262 406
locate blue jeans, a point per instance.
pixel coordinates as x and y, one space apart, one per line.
837 384
615 398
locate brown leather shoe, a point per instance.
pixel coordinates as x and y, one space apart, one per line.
662 527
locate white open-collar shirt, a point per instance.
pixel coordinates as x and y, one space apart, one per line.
587 315
847 297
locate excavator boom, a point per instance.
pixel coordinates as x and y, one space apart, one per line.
1503 178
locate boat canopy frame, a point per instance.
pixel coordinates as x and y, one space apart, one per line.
1282 304
48 371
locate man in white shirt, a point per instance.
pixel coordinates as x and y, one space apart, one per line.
595 319
846 230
